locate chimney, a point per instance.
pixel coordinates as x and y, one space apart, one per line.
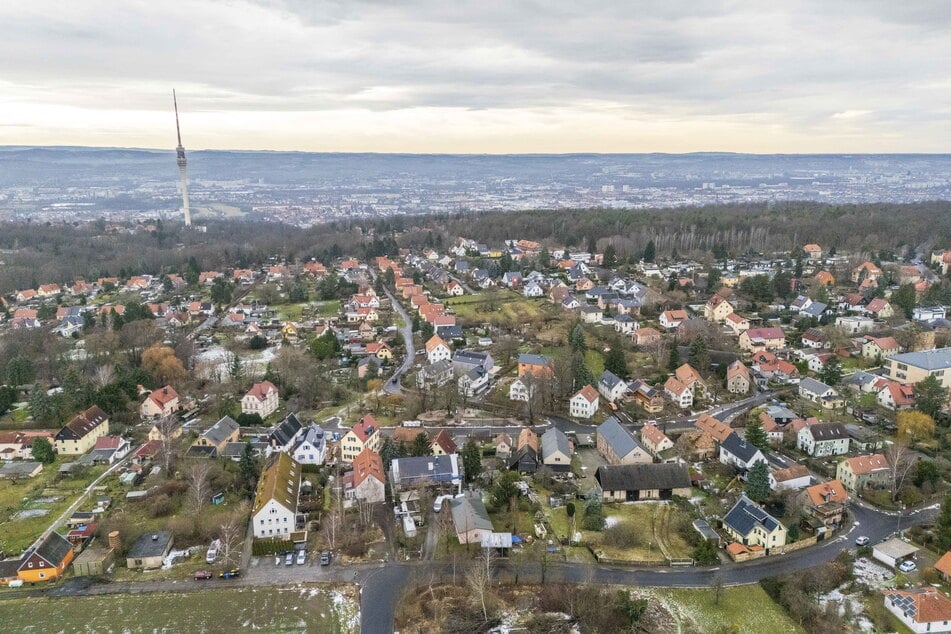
114 542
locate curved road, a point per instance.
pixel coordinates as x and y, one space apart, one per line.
392 385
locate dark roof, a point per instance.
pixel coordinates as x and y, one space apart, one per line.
53 549
285 431
642 477
828 431
555 440
745 515
199 451
739 447
450 332
9 567
217 433
82 424
609 379
145 546
432 468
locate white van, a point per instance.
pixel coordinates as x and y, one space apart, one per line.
212 553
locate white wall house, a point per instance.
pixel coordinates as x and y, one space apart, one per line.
261 399
584 404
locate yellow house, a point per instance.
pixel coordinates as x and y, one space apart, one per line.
750 525
364 435
912 367
717 308
80 434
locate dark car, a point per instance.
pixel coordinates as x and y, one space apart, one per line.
325 558
231 574
203 574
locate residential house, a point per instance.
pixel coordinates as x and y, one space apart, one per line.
611 386
526 456
310 446
213 440
854 324
738 378
912 367
283 435
879 308
717 429
618 446
520 390
895 396
862 472
261 399
149 550
750 525
161 402
717 308
879 347
813 251
437 350
443 444
45 561
737 323
824 439
470 518
109 449
756 339
556 450
274 513
738 453
679 393
923 609
687 375
80 434
826 503
655 440
818 392
584 404
794 477
866 271
442 472
465 360
646 337
671 319
474 382
434 375
632 482
648 398
365 434
367 481
503 445
536 364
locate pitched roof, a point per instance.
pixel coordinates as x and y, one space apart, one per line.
279 481
221 431
53 549
368 464
737 369
145 546
642 477
609 379
434 342
286 430
618 439
469 513
937 359
922 605
739 447
653 434
261 390
527 437
867 464
790 473
687 374
827 492
426 468
756 334
555 440
82 424
713 426
365 427
828 431
534 359
163 395
944 564
445 441
745 516
588 393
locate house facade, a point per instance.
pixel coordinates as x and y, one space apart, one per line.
274 513
584 404
261 399
80 434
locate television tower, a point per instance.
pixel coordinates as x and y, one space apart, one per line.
181 166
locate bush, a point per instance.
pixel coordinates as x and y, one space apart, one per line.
161 506
705 554
270 546
593 519
622 535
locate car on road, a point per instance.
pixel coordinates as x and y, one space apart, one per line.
907 566
277 560
203 574
301 557
289 559
230 574
325 558
861 540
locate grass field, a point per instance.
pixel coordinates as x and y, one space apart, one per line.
293 609
748 609
41 493
503 308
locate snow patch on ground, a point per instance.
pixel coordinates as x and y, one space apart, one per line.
611 520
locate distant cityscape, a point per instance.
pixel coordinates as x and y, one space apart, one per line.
83 184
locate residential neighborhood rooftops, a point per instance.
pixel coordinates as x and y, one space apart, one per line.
279 481
82 424
642 476
922 605
619 439
746 515
867 464
827 493
937 359
469 512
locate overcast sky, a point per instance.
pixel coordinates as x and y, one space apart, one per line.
483 76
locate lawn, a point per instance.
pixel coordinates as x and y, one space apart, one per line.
502 308
291 609
329 308
747 608
41 493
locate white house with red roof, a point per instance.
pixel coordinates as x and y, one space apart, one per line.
160 402
584 404
262 399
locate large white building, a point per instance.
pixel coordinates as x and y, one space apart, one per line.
584 404
274 514
261 399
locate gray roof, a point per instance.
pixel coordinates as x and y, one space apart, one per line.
470 356
926 359
619 439
642 477
533 359
555 440
815 309
18 468
468 512
433 468
145 546
53 549
285 431
609 379
435 369
828 431
450 332
739 447
745 515
811 385
221 430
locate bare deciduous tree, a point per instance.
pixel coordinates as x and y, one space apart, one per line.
479 579
199 487
166 428
900 464
231 533
103 375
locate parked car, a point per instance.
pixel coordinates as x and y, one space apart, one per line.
907 566
301 557
325 558
861 540
231 574
203 574
289 559
212 553
277 560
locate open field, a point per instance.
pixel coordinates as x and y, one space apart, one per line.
291 609
43 495
747 608
503 308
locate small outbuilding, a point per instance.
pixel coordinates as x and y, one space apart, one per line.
149 550
893 552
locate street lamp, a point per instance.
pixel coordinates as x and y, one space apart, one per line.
901 509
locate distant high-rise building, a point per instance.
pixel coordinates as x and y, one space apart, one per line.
181 166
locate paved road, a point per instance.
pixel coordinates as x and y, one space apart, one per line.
392 385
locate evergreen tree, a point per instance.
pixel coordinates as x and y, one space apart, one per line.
699 356
8 397
756 435
831 373
650 252
544 258
471 459
610 257
905 299
504 489
614 360
247 467
42 451
930 396
673 359
421 445
20 371
388 452
757 482
576 338
579 370
713 278
41 406
944 524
